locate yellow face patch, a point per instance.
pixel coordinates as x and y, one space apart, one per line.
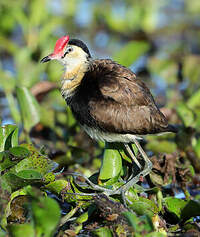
75 53
76 64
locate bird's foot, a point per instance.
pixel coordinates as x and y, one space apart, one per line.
89 184
118 191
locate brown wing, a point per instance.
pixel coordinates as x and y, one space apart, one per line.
126 104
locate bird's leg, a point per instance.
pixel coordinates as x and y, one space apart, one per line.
94 187
148 163
91 184
133 158
129 183
135 179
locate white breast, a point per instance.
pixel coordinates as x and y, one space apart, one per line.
109 137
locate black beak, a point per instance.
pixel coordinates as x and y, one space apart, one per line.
46 59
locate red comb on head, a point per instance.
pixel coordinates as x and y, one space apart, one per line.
60 44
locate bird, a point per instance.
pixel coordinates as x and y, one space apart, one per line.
110 103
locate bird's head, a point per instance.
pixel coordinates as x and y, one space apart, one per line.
69 52
75 57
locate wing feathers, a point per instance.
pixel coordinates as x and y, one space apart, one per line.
118 102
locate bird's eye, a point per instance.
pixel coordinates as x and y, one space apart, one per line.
68 50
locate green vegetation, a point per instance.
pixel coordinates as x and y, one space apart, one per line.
41 143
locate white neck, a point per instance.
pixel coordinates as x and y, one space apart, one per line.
75 64
73 76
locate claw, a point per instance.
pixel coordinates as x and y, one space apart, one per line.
125 187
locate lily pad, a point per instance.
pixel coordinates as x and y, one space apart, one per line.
174 205
36 161
12 156
19 151
14 182
144 206
29 174
5 161
191 209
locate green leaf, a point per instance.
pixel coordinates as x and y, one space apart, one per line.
132 219
5 161
12 157
164 68
2 233
191 209
49 177
36 161
194 100
174 205
156 234
30 170
13 107
184 210
47 116
29 108
13 181
102 232
19 151
71 213
197 147
112 162
125 155
37 15
8 137
7 81
131 52
148 225
46 214
161 146
144 206
29 174
139 225
57 186
84 217
191 68
19 230
186 114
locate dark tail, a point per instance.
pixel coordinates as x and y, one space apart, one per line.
172 128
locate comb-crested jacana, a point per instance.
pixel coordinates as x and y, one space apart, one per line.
108 101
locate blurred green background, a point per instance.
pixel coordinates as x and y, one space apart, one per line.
160 42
